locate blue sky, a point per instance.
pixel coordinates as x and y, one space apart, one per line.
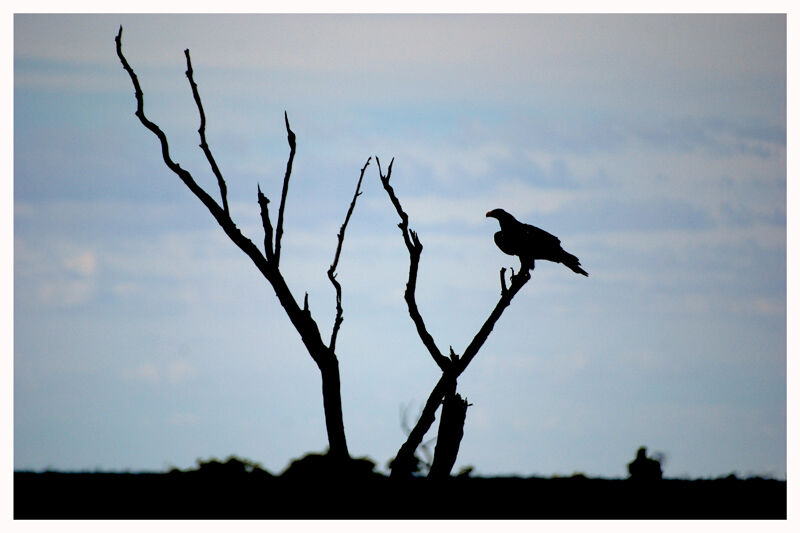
653 146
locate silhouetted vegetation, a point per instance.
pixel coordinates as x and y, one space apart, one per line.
233 466
644 468
315 486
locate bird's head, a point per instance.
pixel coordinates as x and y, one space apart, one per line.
500 214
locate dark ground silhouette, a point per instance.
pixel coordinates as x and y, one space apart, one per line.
316 488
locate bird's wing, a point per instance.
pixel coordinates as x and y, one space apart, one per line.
540 237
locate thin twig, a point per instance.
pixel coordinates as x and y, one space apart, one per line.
279 227
332 270
414 247
517 282
184 175
223 189
263 202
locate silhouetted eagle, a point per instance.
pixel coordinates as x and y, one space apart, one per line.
529 243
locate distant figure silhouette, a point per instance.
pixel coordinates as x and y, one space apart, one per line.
529 243
643 468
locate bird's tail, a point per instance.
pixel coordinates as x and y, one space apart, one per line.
571 262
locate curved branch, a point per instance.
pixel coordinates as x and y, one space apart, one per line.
337 322
185 176
414 246
453 367
303 323
223 189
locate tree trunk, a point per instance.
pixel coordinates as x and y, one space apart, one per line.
332 404
451 430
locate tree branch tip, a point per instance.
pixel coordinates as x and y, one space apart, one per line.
286 118
453 355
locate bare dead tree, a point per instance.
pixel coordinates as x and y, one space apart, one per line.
268 263
444 392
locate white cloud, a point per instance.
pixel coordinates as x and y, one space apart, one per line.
65 81
519 198
173 373
682 241
179 371
65 292
607 61
184 419
452 164
83 263
54 273
557 42
145 372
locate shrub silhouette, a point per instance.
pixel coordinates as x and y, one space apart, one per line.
644 468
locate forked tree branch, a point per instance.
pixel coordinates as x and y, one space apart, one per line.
267 263
337 322
223 189
414 246
453 367
218 213
267 268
